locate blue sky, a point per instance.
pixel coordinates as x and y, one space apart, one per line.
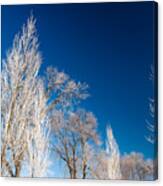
109 46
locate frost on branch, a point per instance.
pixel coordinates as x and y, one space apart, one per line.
64 91
38 135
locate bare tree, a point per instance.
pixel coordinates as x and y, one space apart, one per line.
23 104
114 171
135 167
73 134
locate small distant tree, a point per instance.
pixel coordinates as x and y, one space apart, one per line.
113 156
135 167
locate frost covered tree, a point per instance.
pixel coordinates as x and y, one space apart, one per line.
23 110
63 95
113 156
135 167
73 136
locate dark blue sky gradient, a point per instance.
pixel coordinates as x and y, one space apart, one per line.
107 45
